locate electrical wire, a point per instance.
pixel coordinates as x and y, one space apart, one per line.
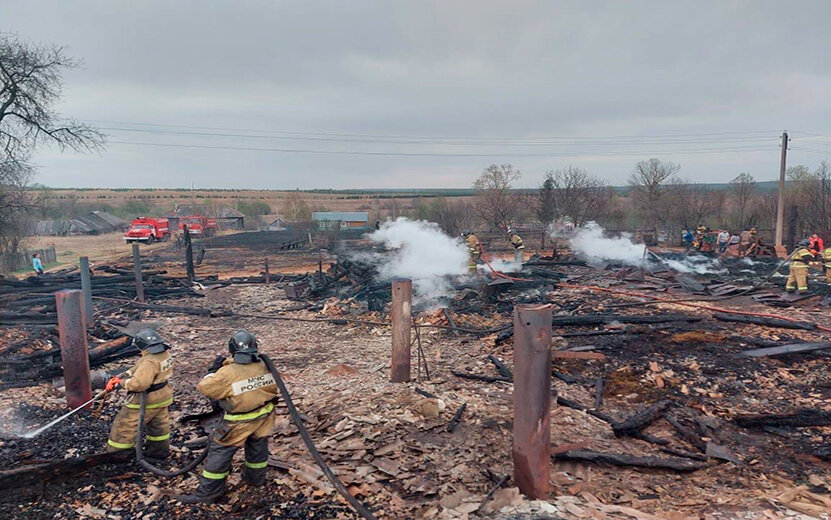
438 154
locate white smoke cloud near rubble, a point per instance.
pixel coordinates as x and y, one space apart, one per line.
423 253
591 243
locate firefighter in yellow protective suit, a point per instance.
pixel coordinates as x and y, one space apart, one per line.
246 391
826 260
474 250
519 246
798 275
151 375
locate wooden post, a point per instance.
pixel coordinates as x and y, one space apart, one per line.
86 287
137 271
780 203
267 275
74 350
402 322
189 255
532 399
320 265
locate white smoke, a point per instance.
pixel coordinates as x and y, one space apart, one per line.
423 253
501 265
590 243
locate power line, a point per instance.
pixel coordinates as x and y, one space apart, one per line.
436 154
438 142
711 135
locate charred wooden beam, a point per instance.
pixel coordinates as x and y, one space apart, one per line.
457 417
32 475
766 322
687 434
798 419
781 350
641 419
676 464
500 367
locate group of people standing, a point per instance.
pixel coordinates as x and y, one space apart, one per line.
705 240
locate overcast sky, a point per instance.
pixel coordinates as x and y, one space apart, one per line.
426 94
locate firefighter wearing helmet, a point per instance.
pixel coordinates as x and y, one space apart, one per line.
150 374
798 273
474 250
519 246
246 392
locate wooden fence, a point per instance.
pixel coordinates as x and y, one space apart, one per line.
16 261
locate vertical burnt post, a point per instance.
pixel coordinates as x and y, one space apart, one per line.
532 399
267 274
188 255
402 322
320 265
86 287
74 351
137 271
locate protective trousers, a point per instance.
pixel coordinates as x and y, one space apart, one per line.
797 278
156 430
225 441
473 261
828 273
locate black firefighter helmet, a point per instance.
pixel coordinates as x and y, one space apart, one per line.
243 347
804 243
149 340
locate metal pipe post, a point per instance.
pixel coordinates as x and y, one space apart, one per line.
86 287
532 399
137 271
189 255
402 322
74 351
267 275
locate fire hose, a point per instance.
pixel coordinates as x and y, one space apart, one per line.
295 417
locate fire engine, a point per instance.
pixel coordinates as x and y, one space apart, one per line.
147 229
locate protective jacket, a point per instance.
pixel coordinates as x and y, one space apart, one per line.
516 241
150 374
802 256
826 258
473 245
240 388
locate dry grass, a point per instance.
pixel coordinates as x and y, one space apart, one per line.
97 247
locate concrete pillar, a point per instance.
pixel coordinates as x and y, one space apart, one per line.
86 287
137 271
402 323
74 350
532 399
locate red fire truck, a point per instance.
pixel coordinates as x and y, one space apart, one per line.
147 229
198 225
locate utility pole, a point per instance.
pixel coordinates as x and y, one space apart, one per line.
780 205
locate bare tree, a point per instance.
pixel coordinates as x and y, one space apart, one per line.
495 203
30 85
690 203
743 192
648 186
578 196
453 216
295 209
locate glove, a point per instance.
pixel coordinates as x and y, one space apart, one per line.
113 384
217 364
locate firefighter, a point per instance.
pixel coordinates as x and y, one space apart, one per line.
826 260
474 250
798 275
246 392
151 375
519 246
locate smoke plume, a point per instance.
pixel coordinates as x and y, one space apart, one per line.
423 253
590 243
